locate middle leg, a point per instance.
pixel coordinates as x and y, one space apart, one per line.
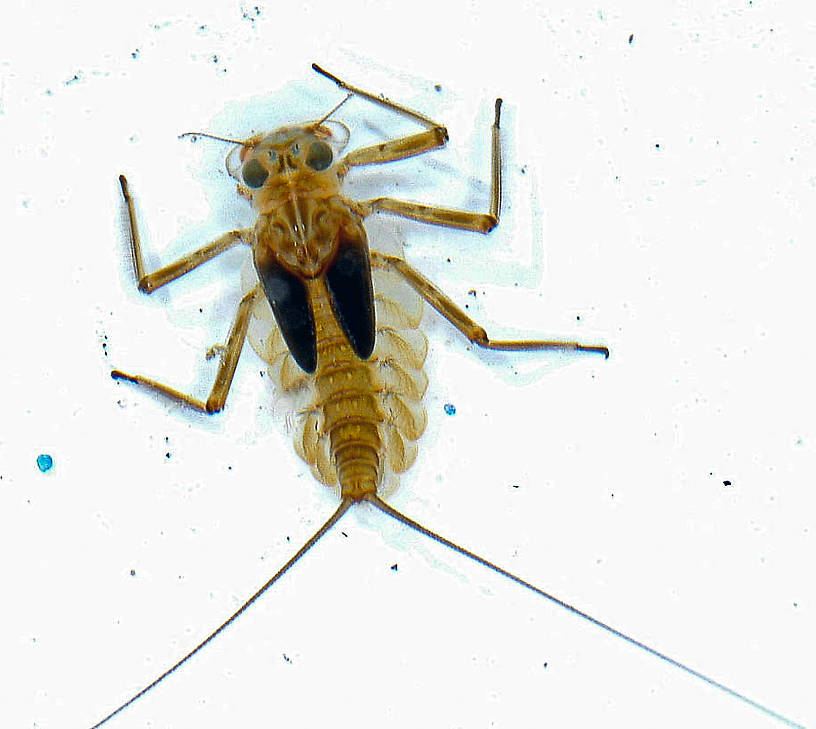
149 282
435 137
450 217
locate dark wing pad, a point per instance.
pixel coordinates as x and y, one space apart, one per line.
348 280
289 300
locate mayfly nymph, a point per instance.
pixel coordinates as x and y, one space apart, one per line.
337 319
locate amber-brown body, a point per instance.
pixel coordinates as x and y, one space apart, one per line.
347 347
357 420
337 323
313 263
355 424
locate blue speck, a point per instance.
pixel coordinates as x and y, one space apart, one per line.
450 409
44 462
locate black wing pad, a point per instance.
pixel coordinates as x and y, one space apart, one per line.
348 280
289 300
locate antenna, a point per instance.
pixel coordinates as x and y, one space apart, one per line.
316 124
196 135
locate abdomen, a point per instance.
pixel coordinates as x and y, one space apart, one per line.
356 421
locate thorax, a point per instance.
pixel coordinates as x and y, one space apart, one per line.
302 228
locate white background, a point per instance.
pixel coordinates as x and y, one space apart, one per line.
659 199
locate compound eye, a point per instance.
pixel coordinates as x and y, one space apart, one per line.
254 173
320 156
